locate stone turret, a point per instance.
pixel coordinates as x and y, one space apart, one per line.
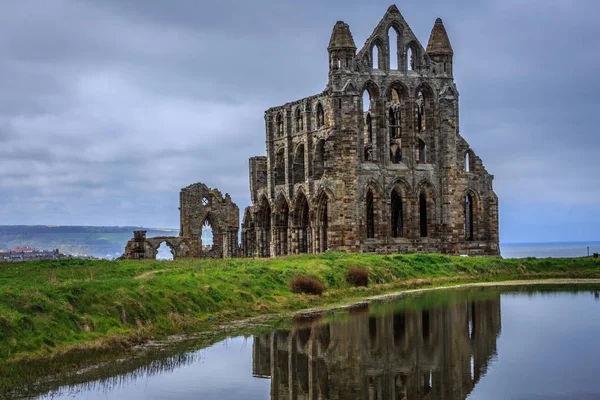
342 50
439 48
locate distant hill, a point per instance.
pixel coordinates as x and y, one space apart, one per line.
97 241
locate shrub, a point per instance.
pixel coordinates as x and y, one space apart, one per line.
306 284
357 276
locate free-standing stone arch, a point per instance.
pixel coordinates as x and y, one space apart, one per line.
198 204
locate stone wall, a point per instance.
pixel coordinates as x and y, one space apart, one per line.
200 208
374 163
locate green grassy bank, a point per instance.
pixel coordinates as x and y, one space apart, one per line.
53 307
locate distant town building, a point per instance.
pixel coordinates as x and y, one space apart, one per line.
30 254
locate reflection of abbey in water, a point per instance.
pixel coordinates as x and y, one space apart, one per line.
435 354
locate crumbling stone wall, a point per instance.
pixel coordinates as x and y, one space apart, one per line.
200 207
391 179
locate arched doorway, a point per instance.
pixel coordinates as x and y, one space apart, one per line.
423 214
165 252
397 215
303 225
370 215
323 223
281 227
207 236
264 229
469 231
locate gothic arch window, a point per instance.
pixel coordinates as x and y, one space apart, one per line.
280 167
376 56
303 223
279 124
469 233
207 236
299 122
411 57
281 242
370 215
469 161
397 215
423 215
422 152
320 116
319 160
394 42
264 220
322 242
298 170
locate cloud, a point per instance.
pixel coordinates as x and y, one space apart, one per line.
108 108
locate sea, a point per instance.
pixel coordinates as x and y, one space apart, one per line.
546 250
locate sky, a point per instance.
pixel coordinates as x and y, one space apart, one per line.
109 107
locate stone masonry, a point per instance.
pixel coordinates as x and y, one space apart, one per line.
200 207
375 163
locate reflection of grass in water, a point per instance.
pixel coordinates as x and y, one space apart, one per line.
99 305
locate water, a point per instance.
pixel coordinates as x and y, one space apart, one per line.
544 250
481 343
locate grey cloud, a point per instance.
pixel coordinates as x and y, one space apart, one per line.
109 107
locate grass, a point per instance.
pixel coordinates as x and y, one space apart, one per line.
53 308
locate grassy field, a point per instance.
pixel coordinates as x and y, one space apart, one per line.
55 307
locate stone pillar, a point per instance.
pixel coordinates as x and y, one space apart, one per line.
139 238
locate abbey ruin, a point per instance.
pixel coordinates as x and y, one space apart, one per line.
375 163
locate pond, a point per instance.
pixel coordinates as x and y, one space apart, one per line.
526 342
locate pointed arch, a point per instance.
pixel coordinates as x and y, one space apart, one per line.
319 115
426 207
207 232
319 159
469 161
279 167
298 166
299 120
397 214
370 217
248 234
280 231
279 122
263 222
302 224
372 208
399 208
377 55
424 107
412 56
472 215
395 41
322 215
468 223
372 88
